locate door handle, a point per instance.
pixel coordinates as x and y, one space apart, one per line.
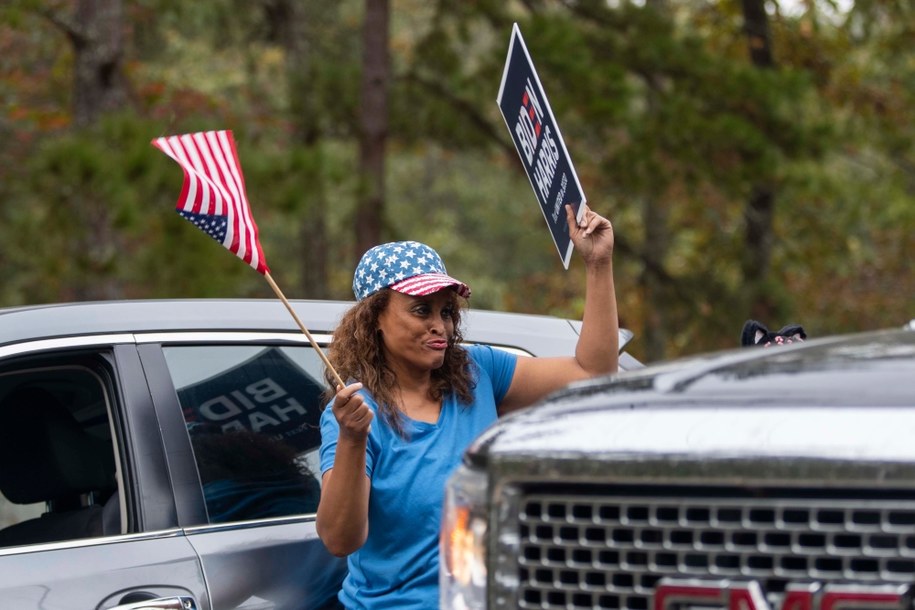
162 603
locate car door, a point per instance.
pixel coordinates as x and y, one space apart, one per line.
87 515
245 408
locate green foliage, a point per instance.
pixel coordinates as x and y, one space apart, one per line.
92 221
670 126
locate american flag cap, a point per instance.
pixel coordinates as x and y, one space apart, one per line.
409 267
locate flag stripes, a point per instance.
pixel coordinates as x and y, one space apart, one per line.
213 193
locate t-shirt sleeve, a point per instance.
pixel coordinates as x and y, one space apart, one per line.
498 364
330 431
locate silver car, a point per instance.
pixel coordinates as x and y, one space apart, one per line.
162 454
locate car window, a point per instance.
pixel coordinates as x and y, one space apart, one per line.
58 474
252 413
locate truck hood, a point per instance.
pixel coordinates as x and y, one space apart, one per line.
846 399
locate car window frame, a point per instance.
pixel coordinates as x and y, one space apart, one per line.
187 486
98 359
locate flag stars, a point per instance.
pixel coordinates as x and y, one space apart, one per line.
212 225
388 264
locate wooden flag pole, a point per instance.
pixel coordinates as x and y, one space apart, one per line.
314 343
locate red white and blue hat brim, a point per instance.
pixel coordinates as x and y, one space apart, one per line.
429 283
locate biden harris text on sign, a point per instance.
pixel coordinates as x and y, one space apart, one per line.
536 135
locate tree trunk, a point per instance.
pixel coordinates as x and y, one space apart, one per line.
296 25
759 211
99 85
655 221
373 124
756 28
96 32
654 332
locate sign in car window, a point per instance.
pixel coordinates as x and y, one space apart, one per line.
539 143
266 392
252 414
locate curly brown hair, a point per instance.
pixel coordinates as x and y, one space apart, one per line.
356 352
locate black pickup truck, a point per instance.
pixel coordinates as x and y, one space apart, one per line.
757 479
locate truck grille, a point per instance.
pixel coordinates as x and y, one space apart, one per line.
600 548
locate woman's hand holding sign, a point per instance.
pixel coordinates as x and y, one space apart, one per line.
592 236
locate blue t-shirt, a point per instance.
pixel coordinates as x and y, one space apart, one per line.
397 567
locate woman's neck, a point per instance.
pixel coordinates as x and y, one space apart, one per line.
417 403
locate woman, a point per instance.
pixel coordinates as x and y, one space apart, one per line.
390 440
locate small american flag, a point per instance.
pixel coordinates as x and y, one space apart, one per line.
213 195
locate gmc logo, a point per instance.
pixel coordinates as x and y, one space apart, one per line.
674 594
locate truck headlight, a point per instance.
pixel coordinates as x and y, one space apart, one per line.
462 545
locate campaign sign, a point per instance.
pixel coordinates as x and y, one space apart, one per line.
269 394
543 153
